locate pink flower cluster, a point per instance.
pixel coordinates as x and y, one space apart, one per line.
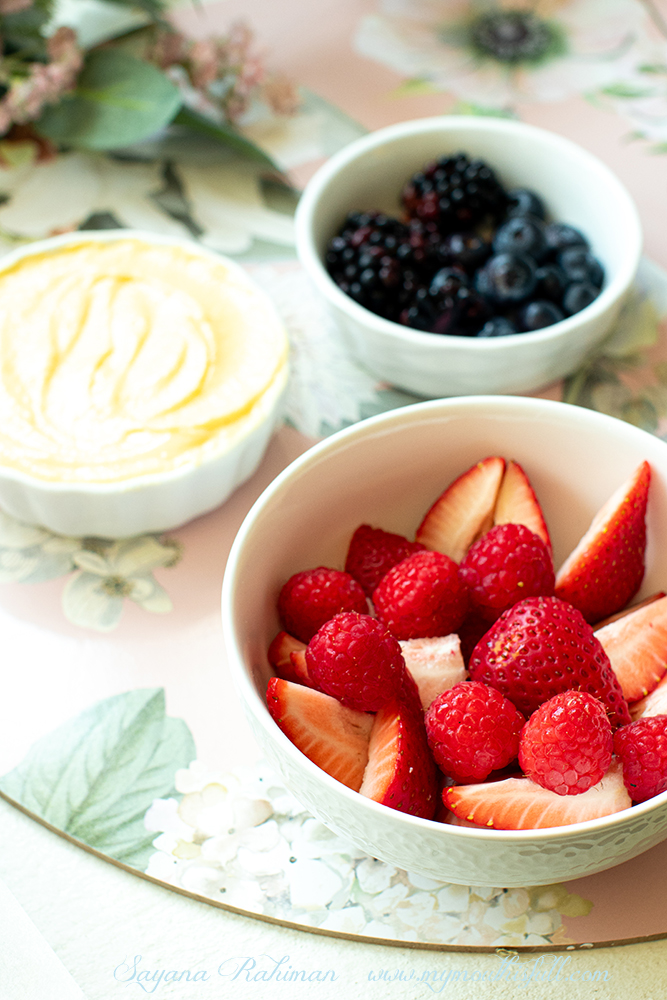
44 83
226 73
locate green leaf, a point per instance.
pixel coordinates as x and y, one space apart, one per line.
626 90
155 9
119 100
23 32
414 87
224 133
466 108
95 776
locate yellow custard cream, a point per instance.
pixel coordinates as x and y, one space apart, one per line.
125 358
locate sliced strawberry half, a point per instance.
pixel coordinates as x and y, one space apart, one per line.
636 645
521 804
287 656
654 703
334 737
629 610
401 773
606 569
435 664
518 504
464 512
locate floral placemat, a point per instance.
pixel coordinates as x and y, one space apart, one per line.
117 728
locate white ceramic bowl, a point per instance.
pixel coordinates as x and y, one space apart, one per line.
155 501
577 188
386 471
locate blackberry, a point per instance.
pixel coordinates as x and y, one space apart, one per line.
448 306
363 261
455 193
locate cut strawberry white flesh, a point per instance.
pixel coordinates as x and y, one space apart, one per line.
636 645
629 610
654 703
401 773
334 737
287 656
606 568
435 664
464 512
521 804
517 503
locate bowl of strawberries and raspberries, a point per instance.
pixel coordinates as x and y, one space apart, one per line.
448 627
468 254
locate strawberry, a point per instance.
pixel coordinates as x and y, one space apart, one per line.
287 656
373 552
541 647
400 772
521 804
435 663
636 645
517 503
654 703
606 568
464 512
334 737
629 609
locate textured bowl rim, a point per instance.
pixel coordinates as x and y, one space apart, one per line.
317 186
275 388
254 703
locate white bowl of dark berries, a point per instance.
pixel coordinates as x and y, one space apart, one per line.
469 254
447 626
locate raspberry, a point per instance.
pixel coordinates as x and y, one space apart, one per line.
472 730
506 565
422 596
542 647
355 659
642 748
314 596
373 552
566 745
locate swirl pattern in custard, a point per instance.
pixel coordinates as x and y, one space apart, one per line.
128 358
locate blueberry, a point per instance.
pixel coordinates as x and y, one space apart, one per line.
550 282
522 234
468 250
497 326
506 278
560 236
447 281
578 295
538 314
578 264
523 201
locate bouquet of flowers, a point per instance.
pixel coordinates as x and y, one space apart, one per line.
145 77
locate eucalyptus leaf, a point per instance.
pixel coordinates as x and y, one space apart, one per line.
224 133
95 776
119 100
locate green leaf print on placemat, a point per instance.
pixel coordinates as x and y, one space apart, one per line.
96 775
